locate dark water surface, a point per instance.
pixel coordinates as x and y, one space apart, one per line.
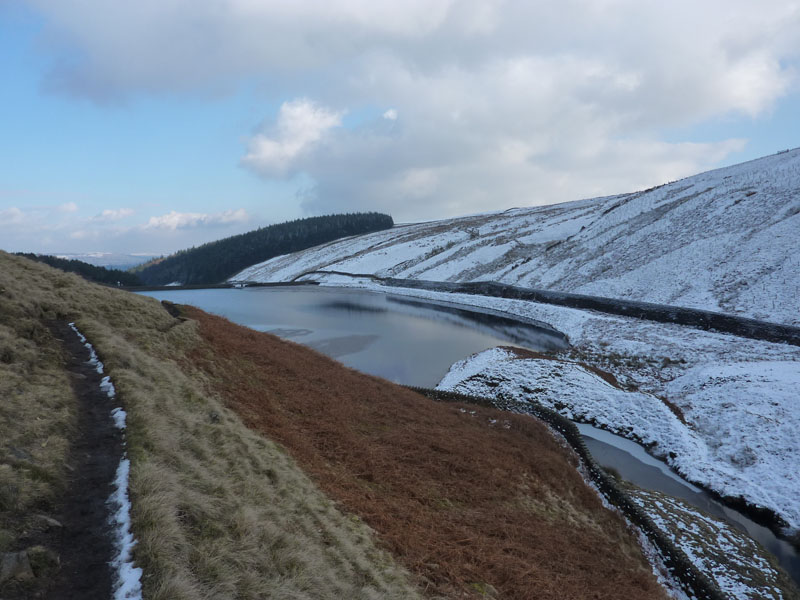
415 342
402 340
633 463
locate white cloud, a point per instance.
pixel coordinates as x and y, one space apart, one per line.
68 207
301 125
50 229
503 102
11 216
113 214
175 220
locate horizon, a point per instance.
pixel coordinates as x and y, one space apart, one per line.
145 129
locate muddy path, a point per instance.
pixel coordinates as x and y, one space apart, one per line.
84 542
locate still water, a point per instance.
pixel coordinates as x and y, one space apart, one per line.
402 340
414 343
633 463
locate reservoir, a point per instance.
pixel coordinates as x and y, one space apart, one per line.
414 342
405 341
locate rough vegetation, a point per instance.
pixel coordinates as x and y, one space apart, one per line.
37 419
470 499
738 565
216 261
473 502
219 511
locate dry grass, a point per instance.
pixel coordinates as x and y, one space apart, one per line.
219 511
37 416
469 498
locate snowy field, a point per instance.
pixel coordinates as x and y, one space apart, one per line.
726 240
727 448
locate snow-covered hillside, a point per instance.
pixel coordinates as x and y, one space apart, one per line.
726 240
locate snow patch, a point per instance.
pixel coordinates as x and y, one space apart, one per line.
127 581
744 418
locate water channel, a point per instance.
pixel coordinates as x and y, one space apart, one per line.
414 343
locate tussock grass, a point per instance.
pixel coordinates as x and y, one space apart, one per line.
37 413
219 510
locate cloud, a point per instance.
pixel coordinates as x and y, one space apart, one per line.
51 229
68 207
11 216
535 132
301 126
154 46
502 103
175 220
113 214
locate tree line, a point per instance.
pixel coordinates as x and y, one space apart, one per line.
85 270
217 261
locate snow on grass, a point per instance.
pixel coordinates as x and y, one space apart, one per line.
93 360
127 579
725 240
740 441
119 416
738 565
750 412
108 387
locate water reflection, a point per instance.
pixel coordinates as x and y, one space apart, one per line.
404 341
342 346
525 332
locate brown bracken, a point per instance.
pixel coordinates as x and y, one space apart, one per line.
471 500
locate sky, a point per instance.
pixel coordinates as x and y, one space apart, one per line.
155 125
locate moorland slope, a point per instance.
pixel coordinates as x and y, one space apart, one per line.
261 469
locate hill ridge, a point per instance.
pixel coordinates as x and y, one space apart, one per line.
724 240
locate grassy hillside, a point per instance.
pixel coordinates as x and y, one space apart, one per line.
86 270
216 261
219 511
262 469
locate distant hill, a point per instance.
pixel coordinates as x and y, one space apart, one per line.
85 270
109 260
726 240
216 261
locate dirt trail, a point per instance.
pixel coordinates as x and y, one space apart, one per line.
84 542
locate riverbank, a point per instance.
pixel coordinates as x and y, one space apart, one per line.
209 286
454 491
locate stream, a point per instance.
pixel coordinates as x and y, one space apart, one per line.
415 342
